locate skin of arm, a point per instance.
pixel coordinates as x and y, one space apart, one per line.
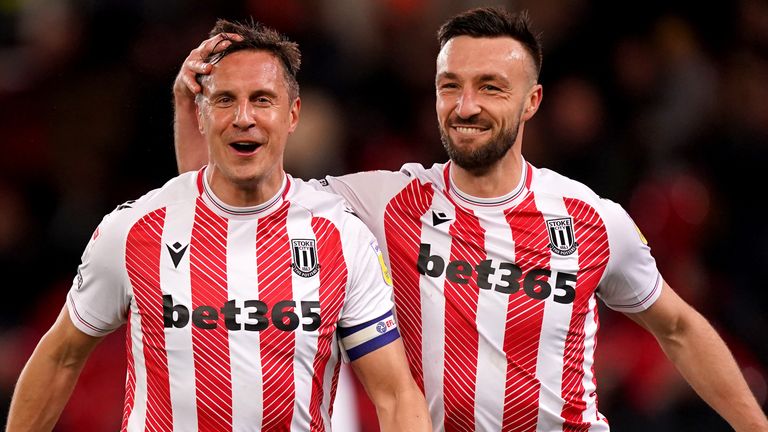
50 375
191 151
400 405
703 358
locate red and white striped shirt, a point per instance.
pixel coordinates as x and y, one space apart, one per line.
232 313
496 298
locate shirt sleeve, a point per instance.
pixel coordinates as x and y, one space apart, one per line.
98 299
366 193
632 282
366 322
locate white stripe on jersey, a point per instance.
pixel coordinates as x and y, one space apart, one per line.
299 226
557 316
491 320
245 364
139 411
433 312
181 369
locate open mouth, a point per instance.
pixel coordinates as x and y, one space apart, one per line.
245 147
469 130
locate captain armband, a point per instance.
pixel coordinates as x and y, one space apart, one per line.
369 336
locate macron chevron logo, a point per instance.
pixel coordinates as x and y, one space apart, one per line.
177 252
439 217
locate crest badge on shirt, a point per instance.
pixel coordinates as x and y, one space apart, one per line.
562 241
304 257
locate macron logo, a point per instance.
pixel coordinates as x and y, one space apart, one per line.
439 217
177 252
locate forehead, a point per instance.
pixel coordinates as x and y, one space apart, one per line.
468 56
246 71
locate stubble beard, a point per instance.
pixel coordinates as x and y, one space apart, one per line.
479 160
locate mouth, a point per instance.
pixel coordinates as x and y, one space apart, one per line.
469 129
244 147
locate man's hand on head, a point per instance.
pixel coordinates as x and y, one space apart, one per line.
185 84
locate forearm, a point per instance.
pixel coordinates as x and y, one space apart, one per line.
706 363
191 151
42 391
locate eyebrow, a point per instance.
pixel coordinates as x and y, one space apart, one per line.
482 78
492 77
255 93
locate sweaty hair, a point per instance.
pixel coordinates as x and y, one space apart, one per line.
259 37
489 22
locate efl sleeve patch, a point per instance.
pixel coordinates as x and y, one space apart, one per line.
369 336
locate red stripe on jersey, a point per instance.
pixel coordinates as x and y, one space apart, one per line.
524 319
208 277
402 228
130 377
589 231
333 280
273 261
142 259
461 335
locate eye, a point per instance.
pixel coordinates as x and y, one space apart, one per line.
490 88
223 101
448 86
262 100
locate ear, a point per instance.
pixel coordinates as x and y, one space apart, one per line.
294 115
533 101
199 114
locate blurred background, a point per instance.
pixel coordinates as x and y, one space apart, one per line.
661 106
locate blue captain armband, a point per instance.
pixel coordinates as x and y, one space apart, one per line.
369 336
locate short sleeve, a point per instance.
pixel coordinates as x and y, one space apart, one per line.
366 322
369 292
98 299
632 282
366 193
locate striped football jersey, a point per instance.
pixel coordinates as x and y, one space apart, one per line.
497 298
235 316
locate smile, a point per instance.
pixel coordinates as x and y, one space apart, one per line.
469 130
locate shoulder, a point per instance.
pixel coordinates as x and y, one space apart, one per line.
433 174
125 215
548 183
318 203
388 180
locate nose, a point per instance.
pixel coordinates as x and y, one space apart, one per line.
467 105
244 118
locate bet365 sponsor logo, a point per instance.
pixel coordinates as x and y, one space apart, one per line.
508 277
253 315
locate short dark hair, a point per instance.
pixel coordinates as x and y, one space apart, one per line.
259 37
494 22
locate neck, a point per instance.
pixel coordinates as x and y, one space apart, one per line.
244 193
496 181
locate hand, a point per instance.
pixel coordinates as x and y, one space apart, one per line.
185 84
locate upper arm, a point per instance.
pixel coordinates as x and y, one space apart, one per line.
65 343
384 371
666 316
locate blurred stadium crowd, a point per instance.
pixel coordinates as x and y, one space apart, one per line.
661 106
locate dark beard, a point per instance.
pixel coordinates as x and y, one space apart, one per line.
480 160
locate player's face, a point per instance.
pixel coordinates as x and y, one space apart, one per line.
485 90
246 115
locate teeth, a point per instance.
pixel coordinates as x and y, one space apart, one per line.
468 130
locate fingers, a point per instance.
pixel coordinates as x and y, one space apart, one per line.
195 63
